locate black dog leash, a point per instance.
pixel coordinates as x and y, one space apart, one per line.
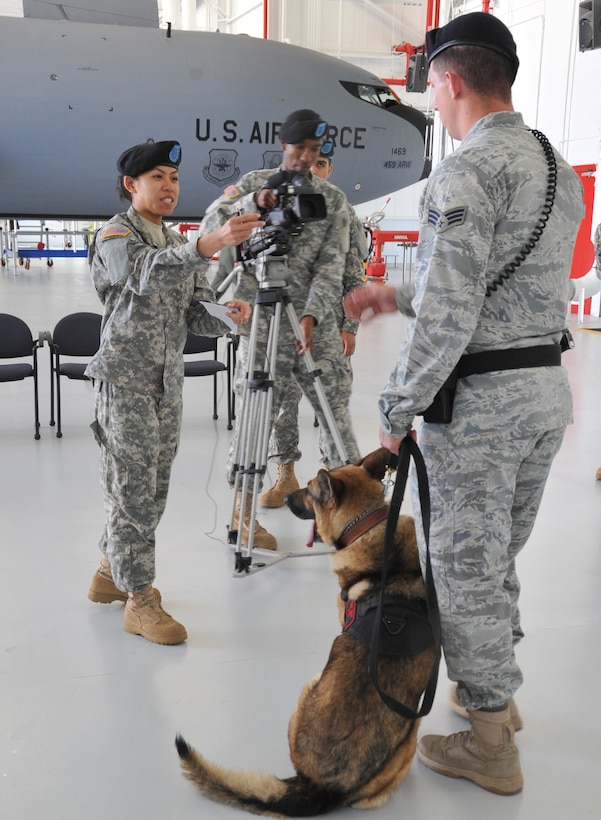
408 449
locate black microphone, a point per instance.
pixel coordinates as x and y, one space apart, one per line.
275 180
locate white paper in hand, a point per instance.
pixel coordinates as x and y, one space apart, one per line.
219 311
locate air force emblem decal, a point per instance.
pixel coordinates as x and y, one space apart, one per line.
449 219
271 159
222 167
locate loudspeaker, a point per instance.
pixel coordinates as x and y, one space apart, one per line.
589 25
417 73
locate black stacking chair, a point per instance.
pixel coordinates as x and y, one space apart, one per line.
16 342
196 344
77 334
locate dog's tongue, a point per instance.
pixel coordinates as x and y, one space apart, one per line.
313 535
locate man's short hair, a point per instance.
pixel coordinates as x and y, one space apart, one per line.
485 72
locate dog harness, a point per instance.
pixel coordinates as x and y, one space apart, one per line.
405 628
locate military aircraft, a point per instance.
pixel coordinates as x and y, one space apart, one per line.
75 95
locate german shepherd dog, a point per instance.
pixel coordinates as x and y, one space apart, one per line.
347 747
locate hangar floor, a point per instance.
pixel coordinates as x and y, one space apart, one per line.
89 713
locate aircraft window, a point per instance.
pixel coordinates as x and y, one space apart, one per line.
379 95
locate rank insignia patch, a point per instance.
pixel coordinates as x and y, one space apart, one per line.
442 221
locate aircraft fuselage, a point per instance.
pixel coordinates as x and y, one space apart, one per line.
80 93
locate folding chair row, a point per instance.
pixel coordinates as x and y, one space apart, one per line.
78 335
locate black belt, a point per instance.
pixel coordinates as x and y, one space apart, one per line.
509 359
440 411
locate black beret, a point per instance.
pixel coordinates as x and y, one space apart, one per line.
146 156
302 125
476 29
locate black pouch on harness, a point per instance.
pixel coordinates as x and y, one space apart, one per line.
441 409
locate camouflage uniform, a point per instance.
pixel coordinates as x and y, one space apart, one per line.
315 269
287 415
151 296
224 268
488 467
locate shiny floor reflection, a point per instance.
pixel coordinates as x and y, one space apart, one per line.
89 713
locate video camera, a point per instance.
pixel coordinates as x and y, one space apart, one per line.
297 203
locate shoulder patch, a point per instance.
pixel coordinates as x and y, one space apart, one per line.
443 221
113 231
232 192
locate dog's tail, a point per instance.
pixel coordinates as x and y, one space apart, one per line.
255 792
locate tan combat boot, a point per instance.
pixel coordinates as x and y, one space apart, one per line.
262 539
102 588
146 617
460 709
486 754
286 483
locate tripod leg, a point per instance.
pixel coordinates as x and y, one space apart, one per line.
315 376
253 436
254 420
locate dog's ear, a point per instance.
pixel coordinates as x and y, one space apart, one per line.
376 463
331 489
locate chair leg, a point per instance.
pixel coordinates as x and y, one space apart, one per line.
215 415
230 412
36 403
229 403
51 387
231 397
57 364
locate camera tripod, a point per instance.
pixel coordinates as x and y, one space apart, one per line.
254 425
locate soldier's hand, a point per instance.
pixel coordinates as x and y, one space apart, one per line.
389 441
239 228
235 231
348 343
307 324
265 198
365 302
239 311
